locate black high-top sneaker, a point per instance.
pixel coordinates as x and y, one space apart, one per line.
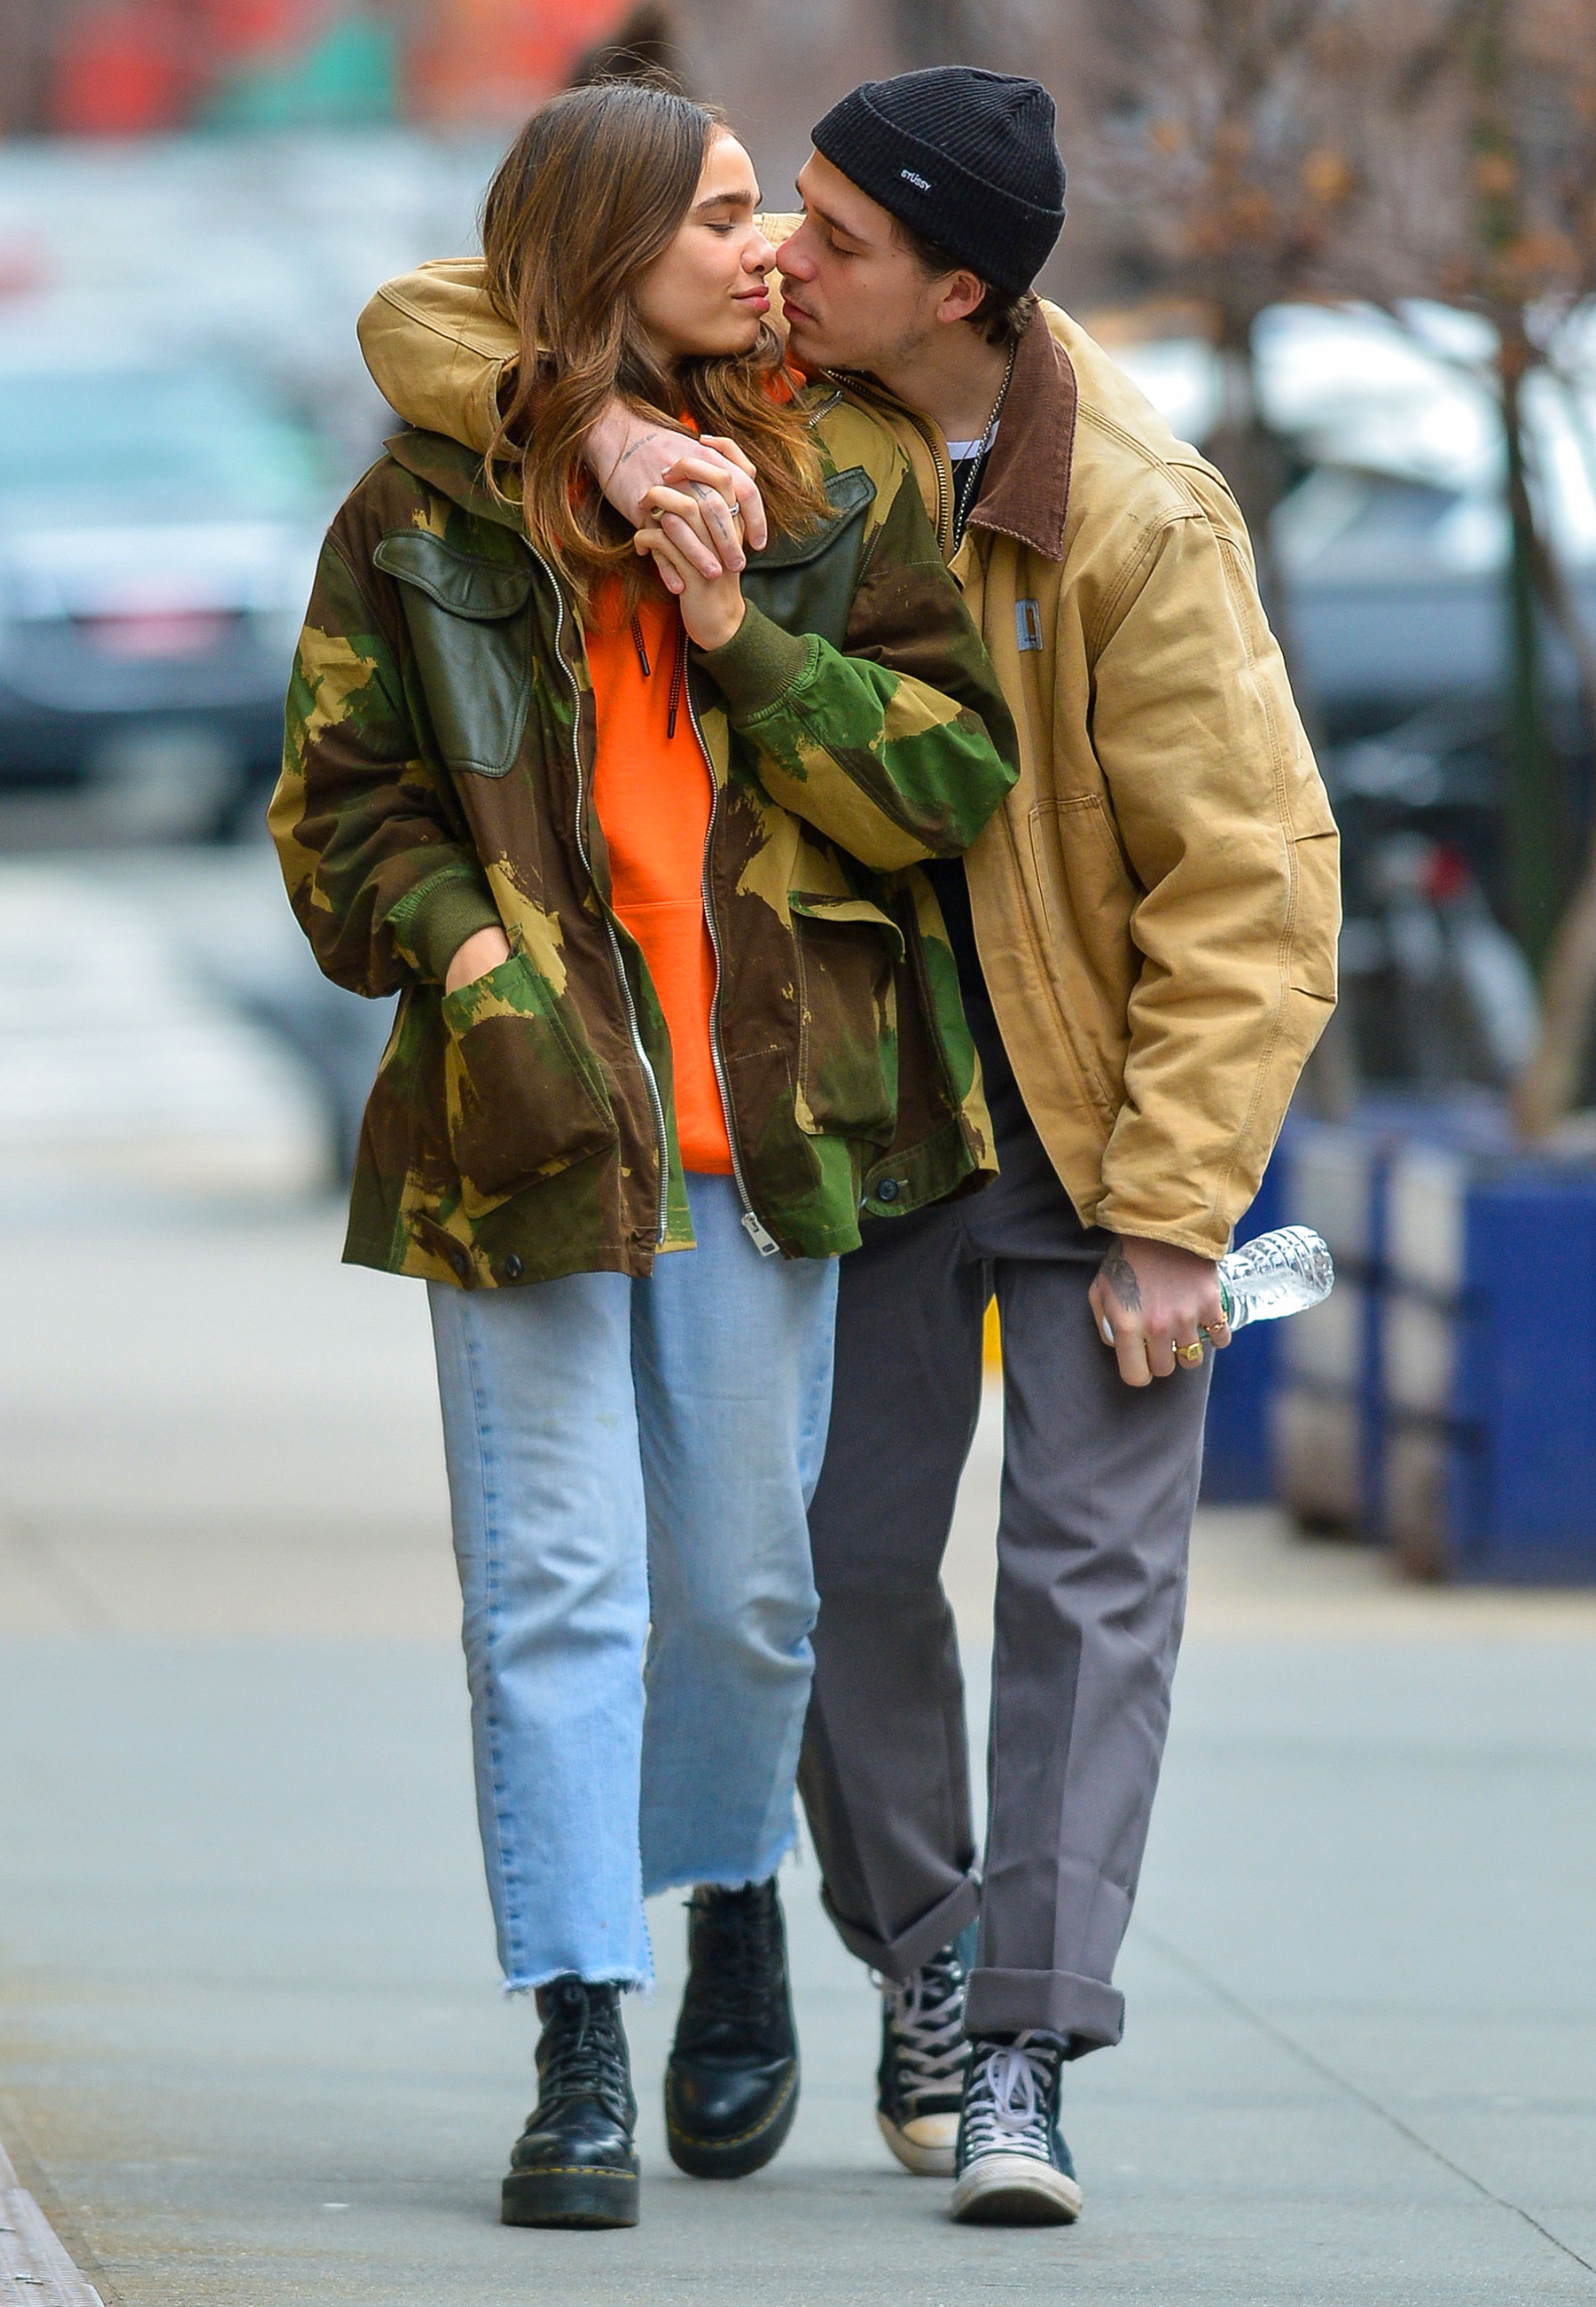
1012 2167
731 2088
575 2166
921 2079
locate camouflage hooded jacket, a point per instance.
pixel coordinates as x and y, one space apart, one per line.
438 779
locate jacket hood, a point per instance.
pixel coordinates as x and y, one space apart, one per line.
438 351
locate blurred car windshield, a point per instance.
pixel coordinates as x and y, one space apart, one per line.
185 443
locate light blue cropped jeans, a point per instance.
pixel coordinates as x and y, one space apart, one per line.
629 1468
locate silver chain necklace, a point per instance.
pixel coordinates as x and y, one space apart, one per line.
962 519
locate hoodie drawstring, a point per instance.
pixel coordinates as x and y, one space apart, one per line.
678 668
678 675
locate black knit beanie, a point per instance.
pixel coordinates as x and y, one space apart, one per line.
965 159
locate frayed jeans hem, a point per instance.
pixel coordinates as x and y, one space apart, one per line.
722 1878
630 1982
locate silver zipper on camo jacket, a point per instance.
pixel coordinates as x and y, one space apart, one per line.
655 1105
762 1240
944 496
929 434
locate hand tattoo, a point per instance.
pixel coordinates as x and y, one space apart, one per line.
1119 1275
641 442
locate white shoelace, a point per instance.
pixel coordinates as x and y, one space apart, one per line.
1006 2106
927 2019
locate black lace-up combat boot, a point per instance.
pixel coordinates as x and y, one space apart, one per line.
731 2083
575 2166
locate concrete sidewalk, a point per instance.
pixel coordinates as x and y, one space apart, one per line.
251 2049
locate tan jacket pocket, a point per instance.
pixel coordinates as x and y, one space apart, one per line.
1317 923
1087 897
1080 868
525 1097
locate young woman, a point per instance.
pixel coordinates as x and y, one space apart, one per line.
641 868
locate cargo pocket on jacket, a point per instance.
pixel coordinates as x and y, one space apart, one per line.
525 1098
847 1005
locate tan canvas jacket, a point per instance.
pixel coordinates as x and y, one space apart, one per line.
1156 902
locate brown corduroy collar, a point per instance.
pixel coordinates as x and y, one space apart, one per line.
1027 494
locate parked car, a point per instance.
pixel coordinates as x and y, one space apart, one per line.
1398 598
1393 543
1434 990
159 531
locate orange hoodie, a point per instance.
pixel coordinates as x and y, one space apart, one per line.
652 791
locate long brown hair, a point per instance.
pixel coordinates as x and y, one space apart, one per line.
592 190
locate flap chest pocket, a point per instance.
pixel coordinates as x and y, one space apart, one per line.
817 908
470 624
806 584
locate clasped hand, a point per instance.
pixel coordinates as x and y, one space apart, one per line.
692 527
691 501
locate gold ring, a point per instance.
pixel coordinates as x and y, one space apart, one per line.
1192 1353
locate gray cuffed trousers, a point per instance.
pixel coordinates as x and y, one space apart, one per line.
1100 1483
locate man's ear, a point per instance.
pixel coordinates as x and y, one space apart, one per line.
961 296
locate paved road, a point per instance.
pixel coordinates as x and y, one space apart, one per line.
251 2051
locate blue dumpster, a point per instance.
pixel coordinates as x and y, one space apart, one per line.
1236 1468
1328 1412
1489 1367
1324 1414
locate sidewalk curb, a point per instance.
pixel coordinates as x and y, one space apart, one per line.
31 2253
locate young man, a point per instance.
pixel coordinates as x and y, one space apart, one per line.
1145 934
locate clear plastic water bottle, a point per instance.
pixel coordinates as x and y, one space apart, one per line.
1281 1272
